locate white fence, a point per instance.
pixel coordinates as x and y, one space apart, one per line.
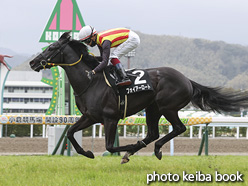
133 120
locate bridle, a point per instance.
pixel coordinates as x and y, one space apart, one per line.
47 61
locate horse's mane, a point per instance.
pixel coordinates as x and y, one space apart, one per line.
80 48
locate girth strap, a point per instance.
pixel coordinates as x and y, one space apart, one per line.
122 96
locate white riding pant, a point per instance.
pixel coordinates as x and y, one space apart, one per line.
131 43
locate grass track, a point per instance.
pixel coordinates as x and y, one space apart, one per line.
104 171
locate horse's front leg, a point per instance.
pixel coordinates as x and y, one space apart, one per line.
81 124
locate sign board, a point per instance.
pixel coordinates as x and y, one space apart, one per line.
65 17
71 119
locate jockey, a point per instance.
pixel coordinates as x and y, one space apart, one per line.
122 40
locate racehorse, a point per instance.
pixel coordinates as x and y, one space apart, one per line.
98 102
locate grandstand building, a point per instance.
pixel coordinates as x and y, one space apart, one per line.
24 93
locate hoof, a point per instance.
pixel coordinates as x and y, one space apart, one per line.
158 155
89 154
124 160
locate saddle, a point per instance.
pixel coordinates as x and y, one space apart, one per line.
140 82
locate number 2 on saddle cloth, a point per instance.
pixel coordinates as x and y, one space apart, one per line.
140 82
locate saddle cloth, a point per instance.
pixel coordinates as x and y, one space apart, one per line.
140 82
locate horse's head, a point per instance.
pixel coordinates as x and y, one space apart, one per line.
55 53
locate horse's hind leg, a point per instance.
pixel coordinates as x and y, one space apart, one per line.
178 128
110 126
81 124
152 117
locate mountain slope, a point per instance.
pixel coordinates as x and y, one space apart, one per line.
212 63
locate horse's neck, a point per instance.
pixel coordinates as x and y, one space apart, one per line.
77 76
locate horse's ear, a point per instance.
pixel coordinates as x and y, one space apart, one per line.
66 35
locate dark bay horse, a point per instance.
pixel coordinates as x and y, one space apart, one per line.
98 102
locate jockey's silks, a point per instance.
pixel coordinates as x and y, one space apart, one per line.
117 36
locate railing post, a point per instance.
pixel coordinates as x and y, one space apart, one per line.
125 131
213 131
237 133
191 132
31 131
206 140
201 146
171 142
117 142
68 147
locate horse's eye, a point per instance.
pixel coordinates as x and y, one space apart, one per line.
51 48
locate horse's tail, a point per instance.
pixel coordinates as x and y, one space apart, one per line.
216 99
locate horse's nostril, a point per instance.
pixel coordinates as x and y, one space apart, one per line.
31 62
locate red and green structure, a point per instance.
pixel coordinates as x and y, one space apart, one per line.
65 17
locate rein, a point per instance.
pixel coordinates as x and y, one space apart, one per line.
72 64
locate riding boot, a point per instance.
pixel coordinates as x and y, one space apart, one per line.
124 78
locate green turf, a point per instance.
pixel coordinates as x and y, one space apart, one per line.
59 170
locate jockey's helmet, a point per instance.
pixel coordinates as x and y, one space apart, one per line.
86 33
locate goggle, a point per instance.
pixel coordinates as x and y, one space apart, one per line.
87 41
